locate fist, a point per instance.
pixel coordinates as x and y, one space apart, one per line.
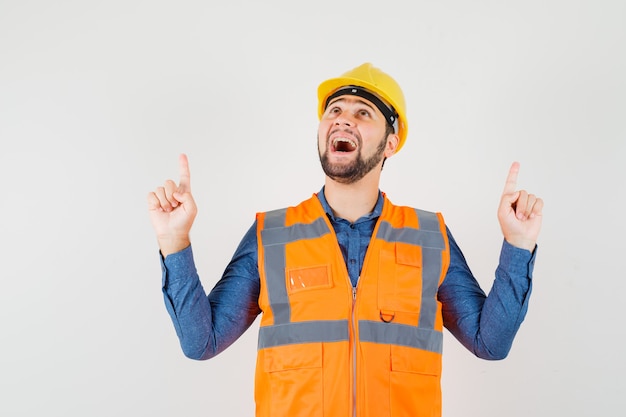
519 213
172 211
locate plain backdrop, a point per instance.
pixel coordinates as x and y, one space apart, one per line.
98 98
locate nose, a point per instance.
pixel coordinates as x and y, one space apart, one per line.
346 119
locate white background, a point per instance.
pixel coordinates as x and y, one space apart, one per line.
98 98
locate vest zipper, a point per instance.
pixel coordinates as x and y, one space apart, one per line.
354 350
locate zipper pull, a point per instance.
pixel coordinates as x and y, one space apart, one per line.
353 293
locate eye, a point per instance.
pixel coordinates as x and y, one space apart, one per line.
363 113
332 111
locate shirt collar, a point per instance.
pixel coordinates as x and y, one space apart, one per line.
378 208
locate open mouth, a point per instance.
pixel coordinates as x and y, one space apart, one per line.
343 145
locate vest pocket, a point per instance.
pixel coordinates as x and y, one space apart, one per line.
296 379
417 361
400 283
415 387
290 357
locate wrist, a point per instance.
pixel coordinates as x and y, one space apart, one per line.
169 245
527 244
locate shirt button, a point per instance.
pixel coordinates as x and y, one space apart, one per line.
352 261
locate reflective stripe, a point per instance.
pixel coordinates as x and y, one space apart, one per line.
431 270
303 332
275 263
276 289
281 235
428 220
419 237
275 218
275 235
401 334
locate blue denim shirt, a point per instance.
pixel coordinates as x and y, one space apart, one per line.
208 324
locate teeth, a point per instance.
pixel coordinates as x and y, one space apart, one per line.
344 140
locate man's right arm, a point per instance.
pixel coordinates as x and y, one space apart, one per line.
205 325
208 324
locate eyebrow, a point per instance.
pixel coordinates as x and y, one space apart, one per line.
357 99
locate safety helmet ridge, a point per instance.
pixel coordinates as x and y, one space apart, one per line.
375 81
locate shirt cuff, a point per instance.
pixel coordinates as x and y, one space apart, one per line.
518 261
177 266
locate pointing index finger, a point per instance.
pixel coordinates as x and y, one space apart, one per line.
511 180
185 177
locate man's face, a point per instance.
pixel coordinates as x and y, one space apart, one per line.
352 138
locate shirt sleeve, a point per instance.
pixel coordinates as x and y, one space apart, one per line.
487 324
208 324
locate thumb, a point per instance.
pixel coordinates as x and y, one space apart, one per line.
510 198
187 203
182 196
508 203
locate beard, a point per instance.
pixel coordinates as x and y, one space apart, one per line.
355 170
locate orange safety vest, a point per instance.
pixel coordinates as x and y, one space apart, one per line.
328 349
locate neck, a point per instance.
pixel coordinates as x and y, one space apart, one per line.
352 201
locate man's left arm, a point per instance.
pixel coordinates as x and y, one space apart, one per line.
487 325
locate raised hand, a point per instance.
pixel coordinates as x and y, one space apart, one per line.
172 211
519 213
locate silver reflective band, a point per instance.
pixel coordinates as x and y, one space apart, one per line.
401 335
431 271
275 218
431 268
428 220
293 233
303 332
418 237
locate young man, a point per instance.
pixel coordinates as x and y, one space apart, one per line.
354 291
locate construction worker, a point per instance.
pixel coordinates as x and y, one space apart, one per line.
354 291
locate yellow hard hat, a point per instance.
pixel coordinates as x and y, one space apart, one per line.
374 81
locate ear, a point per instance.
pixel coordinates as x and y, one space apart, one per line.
392 144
